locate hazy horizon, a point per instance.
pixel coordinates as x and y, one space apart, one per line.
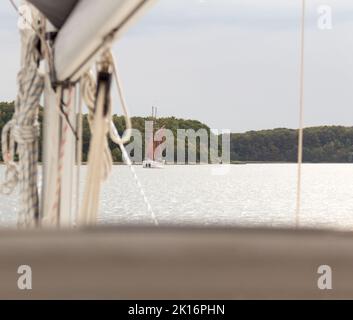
231 64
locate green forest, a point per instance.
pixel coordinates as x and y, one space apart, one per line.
321 144
172 123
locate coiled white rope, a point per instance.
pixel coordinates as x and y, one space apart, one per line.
95 173
23 130
88 92
88 212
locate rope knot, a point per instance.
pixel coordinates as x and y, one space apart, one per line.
25 134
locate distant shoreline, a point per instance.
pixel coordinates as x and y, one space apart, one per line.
322 144
231 163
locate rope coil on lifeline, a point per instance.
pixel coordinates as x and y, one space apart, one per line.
88 214
88 92
95 167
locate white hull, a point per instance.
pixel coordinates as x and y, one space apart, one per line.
151 164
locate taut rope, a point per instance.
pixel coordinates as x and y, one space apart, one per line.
114 135
301 116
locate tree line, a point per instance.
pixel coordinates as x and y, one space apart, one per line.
321 144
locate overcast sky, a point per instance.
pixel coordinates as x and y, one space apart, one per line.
233 64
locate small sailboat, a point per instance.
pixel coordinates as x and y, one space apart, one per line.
151 162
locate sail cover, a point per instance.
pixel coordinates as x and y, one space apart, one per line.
56 11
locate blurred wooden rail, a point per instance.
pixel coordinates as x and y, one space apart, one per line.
149 263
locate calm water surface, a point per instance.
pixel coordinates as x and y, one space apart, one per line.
246 195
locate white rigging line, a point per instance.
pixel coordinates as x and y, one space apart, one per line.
301 116
114 135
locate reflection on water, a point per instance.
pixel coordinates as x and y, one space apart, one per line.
247 195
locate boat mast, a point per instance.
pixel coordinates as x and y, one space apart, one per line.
58 153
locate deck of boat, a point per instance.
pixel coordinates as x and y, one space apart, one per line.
167 263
